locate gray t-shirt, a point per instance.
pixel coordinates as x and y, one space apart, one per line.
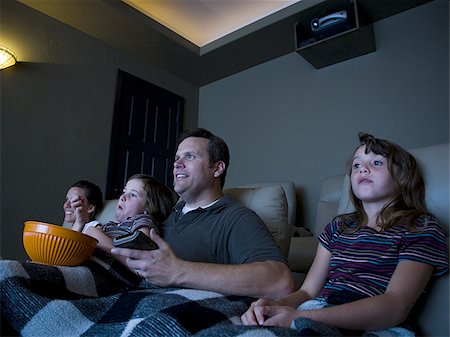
224 233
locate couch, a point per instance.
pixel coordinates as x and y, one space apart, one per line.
275 202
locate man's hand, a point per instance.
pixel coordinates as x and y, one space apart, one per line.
269 279
159 266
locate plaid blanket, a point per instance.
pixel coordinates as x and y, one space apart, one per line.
102 298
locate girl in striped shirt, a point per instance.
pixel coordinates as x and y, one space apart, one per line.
371 265
144 204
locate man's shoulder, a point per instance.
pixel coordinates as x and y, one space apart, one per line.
228 204
234 211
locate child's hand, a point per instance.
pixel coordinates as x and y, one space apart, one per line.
255 317
281 316
81 214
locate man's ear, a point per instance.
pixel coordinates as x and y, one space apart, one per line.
220 168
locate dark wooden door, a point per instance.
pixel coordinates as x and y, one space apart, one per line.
147 121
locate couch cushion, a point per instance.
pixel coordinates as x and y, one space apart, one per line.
108 212
289 192
345 204
327 207
269 202
434 164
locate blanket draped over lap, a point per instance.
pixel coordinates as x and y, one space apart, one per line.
103 298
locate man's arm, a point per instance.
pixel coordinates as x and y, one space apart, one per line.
269 279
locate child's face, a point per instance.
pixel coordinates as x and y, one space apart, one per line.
133 200
370 178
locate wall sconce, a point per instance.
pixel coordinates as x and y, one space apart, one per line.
7 58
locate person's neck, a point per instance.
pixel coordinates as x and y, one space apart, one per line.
372 211
203 200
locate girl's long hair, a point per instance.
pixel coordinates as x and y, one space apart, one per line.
408 201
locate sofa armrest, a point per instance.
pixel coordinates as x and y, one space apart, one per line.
301 253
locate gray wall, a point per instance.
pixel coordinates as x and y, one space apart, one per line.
56 115
285 120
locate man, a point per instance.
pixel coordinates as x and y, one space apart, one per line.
211 242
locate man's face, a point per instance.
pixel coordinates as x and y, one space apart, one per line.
192 172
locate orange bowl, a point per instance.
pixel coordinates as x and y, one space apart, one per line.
56 245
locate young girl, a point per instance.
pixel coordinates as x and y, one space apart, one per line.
143 205
84 200
371 265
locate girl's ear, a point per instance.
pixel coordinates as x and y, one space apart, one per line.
220 168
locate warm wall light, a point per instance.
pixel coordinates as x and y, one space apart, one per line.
7 58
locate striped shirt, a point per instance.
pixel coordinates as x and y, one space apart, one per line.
114 229
363 262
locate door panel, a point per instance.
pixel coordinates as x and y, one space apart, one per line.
147 122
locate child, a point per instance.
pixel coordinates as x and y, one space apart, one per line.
371 265
84 200
143 205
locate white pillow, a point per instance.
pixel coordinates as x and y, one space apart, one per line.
270 203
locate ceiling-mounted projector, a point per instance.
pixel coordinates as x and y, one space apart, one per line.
329 24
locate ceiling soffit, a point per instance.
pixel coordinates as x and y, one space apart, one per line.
128 30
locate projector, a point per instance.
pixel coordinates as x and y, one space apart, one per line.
330 24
